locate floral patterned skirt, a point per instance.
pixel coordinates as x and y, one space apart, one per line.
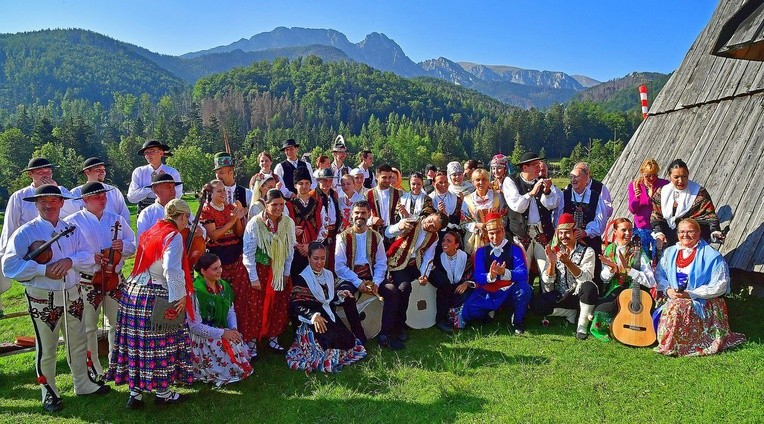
219 361
681 332
307 354
146 359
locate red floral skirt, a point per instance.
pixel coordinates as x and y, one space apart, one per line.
682 332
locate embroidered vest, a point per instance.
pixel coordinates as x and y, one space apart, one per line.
582 212
518 222
565 280
372 196
373 239
403 247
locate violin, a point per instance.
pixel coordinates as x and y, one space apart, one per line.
40 251
195 243
107 279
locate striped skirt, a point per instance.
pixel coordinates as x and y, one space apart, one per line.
145 359
307 353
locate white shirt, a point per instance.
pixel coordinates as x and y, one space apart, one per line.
337 179
449 201
497 251
346 207
19 212
30 273
140 182
345 271
99 234
279 170
115 201
168 271
384 204
153 213
250 248
412 202
520 204
331 211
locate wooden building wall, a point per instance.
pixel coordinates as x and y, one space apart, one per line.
711 115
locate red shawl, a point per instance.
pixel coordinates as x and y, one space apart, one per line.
151 247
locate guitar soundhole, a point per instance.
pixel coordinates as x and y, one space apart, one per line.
421 305
362 316
635 308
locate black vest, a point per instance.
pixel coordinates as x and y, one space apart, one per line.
240 194
518 222
589 210
367 182
289 173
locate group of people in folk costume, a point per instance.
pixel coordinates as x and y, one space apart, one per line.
301 245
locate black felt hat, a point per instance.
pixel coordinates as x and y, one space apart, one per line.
46 190
163 178
93 187
38 163
301 173
324 173
528 157
289 143
92 162
154 143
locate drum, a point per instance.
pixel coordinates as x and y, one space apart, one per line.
422 306
370 311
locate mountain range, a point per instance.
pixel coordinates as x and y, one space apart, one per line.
33 63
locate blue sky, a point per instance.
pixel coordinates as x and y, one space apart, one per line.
600 39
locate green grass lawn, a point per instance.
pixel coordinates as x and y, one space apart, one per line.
482 374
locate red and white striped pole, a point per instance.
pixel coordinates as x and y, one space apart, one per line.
643 98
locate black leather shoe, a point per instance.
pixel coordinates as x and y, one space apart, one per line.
519 328
102 390
172 400
52 403
403 336
445 327
134 403
390 342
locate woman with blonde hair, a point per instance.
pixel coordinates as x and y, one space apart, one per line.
479 204
152 347
641 191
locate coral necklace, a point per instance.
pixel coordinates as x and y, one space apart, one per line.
682 262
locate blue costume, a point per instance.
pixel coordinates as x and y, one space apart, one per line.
512 288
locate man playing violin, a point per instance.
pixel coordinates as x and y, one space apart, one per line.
103 230
19 212
52 293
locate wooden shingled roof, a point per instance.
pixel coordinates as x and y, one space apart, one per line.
711 114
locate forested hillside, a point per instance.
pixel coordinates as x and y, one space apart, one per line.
52 65
409 122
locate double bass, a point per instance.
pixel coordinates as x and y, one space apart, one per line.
195 245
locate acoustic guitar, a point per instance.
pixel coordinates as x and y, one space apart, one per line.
633 324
